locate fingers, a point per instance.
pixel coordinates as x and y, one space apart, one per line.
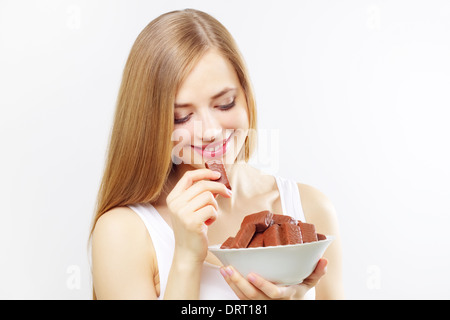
193 184
270 289
192 193
199 201
243 289
257 288
193 207
190 177
227 272
202 209
254 287
207 214
202 186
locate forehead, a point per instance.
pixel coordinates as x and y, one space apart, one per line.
210 75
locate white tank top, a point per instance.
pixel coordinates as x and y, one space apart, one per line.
212 286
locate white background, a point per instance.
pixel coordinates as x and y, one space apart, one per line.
356 94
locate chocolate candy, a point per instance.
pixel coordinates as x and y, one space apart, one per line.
262 220
217 165
272 236
227 244
282 234
257 240
264 229
290 234
280 218
308 232
244 236
321 237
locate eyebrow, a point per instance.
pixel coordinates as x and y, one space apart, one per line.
217 95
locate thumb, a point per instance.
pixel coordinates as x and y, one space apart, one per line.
319 272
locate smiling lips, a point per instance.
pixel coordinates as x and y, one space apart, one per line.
213 150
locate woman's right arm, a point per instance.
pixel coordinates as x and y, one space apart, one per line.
123 264
123 257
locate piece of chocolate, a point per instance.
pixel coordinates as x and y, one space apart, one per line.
321 237
281 218
217 165
308 232
227 243
244 236
262 220
257 240
272 236
264 229
290 234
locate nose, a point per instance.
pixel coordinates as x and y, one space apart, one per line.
209 128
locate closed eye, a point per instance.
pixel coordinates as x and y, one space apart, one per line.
182 120
226 107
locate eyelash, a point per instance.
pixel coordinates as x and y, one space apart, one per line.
222 108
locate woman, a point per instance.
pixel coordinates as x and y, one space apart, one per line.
186 97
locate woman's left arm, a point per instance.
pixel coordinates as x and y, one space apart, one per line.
319 211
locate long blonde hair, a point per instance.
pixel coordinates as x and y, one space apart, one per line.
139 154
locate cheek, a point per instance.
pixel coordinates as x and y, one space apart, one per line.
181 137
236 119
239 123
181 147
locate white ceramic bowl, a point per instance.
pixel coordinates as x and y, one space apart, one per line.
289 264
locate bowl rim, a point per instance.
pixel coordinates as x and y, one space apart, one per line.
216 247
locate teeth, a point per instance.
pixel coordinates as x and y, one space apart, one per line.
214 149
218 147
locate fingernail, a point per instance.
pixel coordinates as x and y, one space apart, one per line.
251 277
229 192
223 272
229 271
217 174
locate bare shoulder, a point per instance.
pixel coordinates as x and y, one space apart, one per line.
120 229
318 209
120 221
122 256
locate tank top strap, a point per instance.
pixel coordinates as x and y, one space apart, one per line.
290 198
291 205
162 237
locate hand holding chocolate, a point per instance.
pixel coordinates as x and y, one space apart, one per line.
264 229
